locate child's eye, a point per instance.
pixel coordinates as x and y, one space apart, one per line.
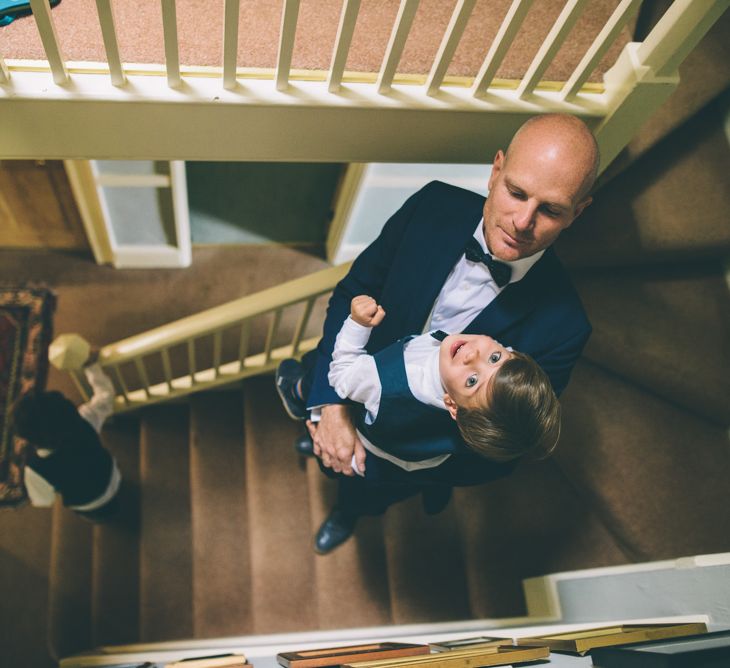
471 381
495 357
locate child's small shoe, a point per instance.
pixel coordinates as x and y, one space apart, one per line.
287 377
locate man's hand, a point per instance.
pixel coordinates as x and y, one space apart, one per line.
335 440
366 311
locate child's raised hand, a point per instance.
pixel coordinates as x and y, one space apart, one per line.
366 311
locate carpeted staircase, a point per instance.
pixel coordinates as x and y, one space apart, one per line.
216 538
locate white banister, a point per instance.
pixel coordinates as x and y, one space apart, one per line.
550 47
398 37
192 363
197 335
79 381
502 41
243 340
217 346
172 55
167 368
47 30
222 316
109 35
678 32
122 384
289 17
348 19
601 44
230 42
454 31
142 372
302 324
273 328
4 74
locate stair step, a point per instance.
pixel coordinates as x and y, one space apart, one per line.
645 466
641 216
529 523
69 618
283 590
646 320
166 566
425 564
115 602
352 587
221 546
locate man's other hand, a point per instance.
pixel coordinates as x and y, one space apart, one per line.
366 311
335 440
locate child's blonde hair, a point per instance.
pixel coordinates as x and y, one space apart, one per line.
521 414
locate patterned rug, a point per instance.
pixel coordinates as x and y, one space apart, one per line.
26 328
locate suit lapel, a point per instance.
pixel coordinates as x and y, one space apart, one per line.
517 300
430 252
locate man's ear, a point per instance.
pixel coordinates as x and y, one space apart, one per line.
450 406
582 205
496 169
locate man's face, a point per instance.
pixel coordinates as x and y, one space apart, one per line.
534 194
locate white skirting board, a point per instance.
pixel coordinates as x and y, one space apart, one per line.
698 584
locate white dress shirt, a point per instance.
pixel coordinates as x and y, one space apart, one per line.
470 288
101 405
354 375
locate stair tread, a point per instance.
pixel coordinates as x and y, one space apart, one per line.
221 549
352 583
280 536
425 564
656 316
673 467
166 568
116 546
70 583
527 524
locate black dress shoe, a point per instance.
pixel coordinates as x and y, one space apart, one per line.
287 376
435 498
335 530
303 445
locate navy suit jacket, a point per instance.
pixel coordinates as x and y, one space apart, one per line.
405 268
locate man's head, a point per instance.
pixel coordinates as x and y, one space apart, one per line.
539 186
515 411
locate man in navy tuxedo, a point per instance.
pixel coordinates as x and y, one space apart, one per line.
416 269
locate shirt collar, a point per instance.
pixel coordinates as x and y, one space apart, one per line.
519 267
432 376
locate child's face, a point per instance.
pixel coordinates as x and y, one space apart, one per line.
467 362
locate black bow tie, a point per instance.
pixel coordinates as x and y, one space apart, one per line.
439 334
501 272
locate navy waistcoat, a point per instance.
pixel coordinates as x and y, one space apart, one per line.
404 426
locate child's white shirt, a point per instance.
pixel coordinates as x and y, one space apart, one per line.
354 375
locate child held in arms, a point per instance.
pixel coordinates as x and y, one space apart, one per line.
65 453
501 399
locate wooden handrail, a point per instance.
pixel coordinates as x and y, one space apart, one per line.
69 352
223 316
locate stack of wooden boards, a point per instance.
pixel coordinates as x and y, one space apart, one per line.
217 661
473 652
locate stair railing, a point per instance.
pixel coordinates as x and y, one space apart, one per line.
129 361
135 112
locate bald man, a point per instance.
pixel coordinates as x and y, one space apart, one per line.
512 288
